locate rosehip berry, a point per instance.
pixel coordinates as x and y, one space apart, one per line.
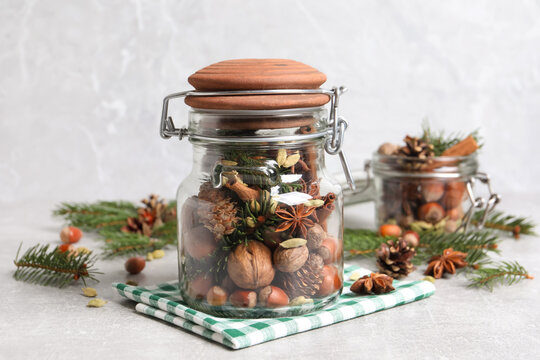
135 265
70 234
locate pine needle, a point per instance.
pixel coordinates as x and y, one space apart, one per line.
516 225
102 214
503 273
442 141
40 266
362 242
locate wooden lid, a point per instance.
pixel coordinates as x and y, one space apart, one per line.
257 74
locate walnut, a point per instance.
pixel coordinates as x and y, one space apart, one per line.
289 260
315 237
250 266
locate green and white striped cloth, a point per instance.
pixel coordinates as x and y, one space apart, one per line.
163 302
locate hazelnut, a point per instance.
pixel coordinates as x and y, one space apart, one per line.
406 221
199 287
388 149
432 191
70 235
451 226
315 237
289 260
199 242
431 212
272 296
453 197
455 213
330 255
250 266
412 238
331 281
390 230
216 296
135 265
243 298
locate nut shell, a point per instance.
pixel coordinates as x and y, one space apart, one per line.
272 296
289 260
216 296
250 266
135 265
315 237
243 298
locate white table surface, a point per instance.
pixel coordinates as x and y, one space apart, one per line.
455 323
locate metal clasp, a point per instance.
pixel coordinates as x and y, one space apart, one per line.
338 124
478 202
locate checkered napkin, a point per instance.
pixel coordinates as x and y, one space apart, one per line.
163 302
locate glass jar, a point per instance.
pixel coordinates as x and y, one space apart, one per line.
260 221
432 193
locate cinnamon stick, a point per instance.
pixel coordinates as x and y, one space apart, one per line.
463 148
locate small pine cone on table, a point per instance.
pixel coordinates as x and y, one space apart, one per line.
304 282
394 258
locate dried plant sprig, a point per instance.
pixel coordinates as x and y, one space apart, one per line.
53 268
516 225
503 273
361 242
126 244
476 244
102 214
442 141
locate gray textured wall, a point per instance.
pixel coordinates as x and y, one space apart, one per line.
81 82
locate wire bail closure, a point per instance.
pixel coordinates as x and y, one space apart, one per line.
335 133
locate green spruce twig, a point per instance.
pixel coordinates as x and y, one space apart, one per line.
53 268
516 225
503 273
119 243
99 215
442 141
362 242
476 244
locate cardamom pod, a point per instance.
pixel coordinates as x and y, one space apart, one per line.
293 243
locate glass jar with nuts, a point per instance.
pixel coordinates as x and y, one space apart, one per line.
419 189
260 221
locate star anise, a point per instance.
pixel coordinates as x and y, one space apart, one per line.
295 218
375 283
448 262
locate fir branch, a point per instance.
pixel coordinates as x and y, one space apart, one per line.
127 244
362 242
38 265
442 141
503 273
476 244
102 214
516 225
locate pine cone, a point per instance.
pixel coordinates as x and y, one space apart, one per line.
155 213
394 258
414 147
304 282
374 283
217 211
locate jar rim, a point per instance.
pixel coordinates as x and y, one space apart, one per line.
434 167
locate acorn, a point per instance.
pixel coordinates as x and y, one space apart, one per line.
272 296
431 212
